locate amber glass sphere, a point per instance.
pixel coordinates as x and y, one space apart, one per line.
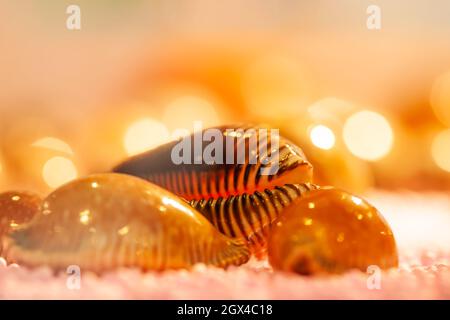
331 231
17 208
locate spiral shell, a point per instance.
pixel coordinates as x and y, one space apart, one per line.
220 191
249 216
213 180
107 221
331 231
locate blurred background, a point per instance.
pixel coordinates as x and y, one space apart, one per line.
370 108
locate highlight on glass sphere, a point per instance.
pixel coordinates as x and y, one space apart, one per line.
331 231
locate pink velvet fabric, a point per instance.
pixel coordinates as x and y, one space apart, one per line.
421 224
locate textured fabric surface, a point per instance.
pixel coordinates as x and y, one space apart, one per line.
421 224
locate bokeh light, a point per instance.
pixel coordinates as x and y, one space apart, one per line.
440 98
322 137
330 110
368 135
184 111
58 171
52 143
145 134
52 162
440 150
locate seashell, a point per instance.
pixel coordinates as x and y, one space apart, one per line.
331 231
213 180
107 221
220 190
249 216
16 208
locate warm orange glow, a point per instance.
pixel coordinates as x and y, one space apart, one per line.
145 134
368 135
58 171
330 110
184 111
52 143
440 98
275 87
440 150
322 137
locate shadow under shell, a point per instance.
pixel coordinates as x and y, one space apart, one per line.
107 221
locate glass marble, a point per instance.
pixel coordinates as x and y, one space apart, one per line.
331 231
17 208
107 221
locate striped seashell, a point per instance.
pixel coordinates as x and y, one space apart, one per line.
249 216
226 188
331 231
107 221
196 181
